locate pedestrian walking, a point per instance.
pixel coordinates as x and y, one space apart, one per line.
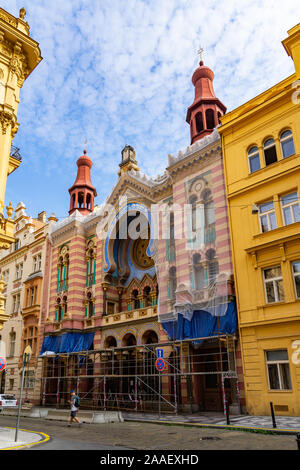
75 403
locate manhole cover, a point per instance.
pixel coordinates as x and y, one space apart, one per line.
210 438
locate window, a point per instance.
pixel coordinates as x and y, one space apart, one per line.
193 202
296 274
270 152
172 283
136 302
30 338
16 303
29 379
147 296
253 158
12 344
110 308
209 213
199 122
198 272
37 263
91 265
267 216
5 275
32 296
287 144
210 119
17 244
212 266
278 370
19 271
273 284
290 208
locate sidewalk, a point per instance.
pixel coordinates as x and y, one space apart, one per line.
25 438
283 423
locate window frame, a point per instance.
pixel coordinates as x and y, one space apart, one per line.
269 146
294 277
252 153
289 205
267 214
278 362
273 280
284 139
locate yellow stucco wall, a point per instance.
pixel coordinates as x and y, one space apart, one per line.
265 326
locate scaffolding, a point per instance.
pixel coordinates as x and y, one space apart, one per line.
197 372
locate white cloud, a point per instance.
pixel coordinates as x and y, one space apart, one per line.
120 73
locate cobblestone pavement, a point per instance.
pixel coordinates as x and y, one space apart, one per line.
148 436
282 422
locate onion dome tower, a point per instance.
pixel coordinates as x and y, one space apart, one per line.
82 193
205 112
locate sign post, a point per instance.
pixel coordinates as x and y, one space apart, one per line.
160 366
26 359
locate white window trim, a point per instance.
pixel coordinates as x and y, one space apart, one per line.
285 139
273 280
283 361
267 213
294 277
289 205
253 154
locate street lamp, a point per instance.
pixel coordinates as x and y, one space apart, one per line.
26 358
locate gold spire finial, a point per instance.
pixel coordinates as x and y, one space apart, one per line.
22 13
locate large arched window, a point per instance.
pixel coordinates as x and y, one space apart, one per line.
287 143
270 152
210 119
253 158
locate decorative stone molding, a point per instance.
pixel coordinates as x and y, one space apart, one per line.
6 119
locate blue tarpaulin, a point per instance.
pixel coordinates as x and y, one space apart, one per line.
68 342
202 324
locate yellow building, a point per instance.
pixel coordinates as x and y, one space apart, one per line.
19 55
261 151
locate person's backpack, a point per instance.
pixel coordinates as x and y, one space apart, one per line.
77 401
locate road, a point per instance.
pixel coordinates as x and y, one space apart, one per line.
147 436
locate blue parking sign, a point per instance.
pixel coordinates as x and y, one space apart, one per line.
160 353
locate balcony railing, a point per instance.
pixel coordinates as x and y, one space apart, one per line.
130 315
15 153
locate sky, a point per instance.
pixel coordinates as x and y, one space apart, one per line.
118 72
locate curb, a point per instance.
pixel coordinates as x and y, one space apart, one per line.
222 426
44 438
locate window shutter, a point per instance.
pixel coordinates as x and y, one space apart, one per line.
58 273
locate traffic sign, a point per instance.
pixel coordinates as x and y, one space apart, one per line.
2 363
160 364
160 353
